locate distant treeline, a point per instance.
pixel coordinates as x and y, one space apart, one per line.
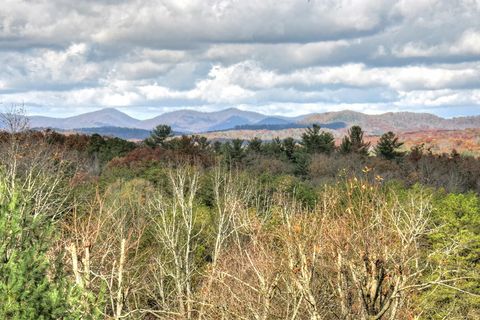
118 132
123 133
285 126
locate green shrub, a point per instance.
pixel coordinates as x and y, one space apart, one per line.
457 239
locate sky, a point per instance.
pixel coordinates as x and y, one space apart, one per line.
284 57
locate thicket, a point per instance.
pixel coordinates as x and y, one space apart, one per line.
183 228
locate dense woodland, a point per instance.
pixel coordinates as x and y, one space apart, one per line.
186 228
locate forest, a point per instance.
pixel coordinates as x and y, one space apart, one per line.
181 227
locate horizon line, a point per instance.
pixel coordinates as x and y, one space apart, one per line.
117 109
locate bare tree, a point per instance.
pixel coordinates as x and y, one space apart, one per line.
301 236
231 218
15 120
176 230
103 246
356 255
374 250
37 169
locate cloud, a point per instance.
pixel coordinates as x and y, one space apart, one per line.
150 56
467 45
49 69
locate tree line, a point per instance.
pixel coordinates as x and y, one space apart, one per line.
313 141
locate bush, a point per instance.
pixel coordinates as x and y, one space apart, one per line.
457 241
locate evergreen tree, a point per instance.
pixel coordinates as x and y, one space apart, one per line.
289 147
202 142
388 146
183 144
237 150
316 141
274 147
105 149
302 163
346 145
327 142
159 135
217 147
311 138
233 151
255 145
27 290
457 221
353 142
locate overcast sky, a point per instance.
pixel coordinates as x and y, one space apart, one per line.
64 57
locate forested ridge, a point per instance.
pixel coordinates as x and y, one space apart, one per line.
185 228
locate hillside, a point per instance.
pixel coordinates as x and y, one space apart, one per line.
102 118
119 132
196 121
394 121
192 121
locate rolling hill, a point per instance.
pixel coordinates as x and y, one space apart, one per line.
394 121
232 119
196 121
102 118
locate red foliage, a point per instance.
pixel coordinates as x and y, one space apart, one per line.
144 155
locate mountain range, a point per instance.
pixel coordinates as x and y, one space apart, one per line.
191 121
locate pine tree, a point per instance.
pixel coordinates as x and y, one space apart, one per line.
255 145
388 146
159 135
201 142
237 149
27 290
32 283
233 151
327 142
346 145
274 148
315 141
289 145
353 142
217 147
302 163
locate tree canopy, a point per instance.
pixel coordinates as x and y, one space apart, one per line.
316 141
159 135
388 146
353 142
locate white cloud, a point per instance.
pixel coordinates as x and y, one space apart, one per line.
366 55
469 43
249 74
437 98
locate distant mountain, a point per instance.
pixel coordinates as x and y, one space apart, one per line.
393 121
192 121
182 120
102 118
196 121
346 116
229 123
271 127
274 121
287 125
119 132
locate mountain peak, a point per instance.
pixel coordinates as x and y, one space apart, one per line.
194 121
107 117
108 111
231 109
